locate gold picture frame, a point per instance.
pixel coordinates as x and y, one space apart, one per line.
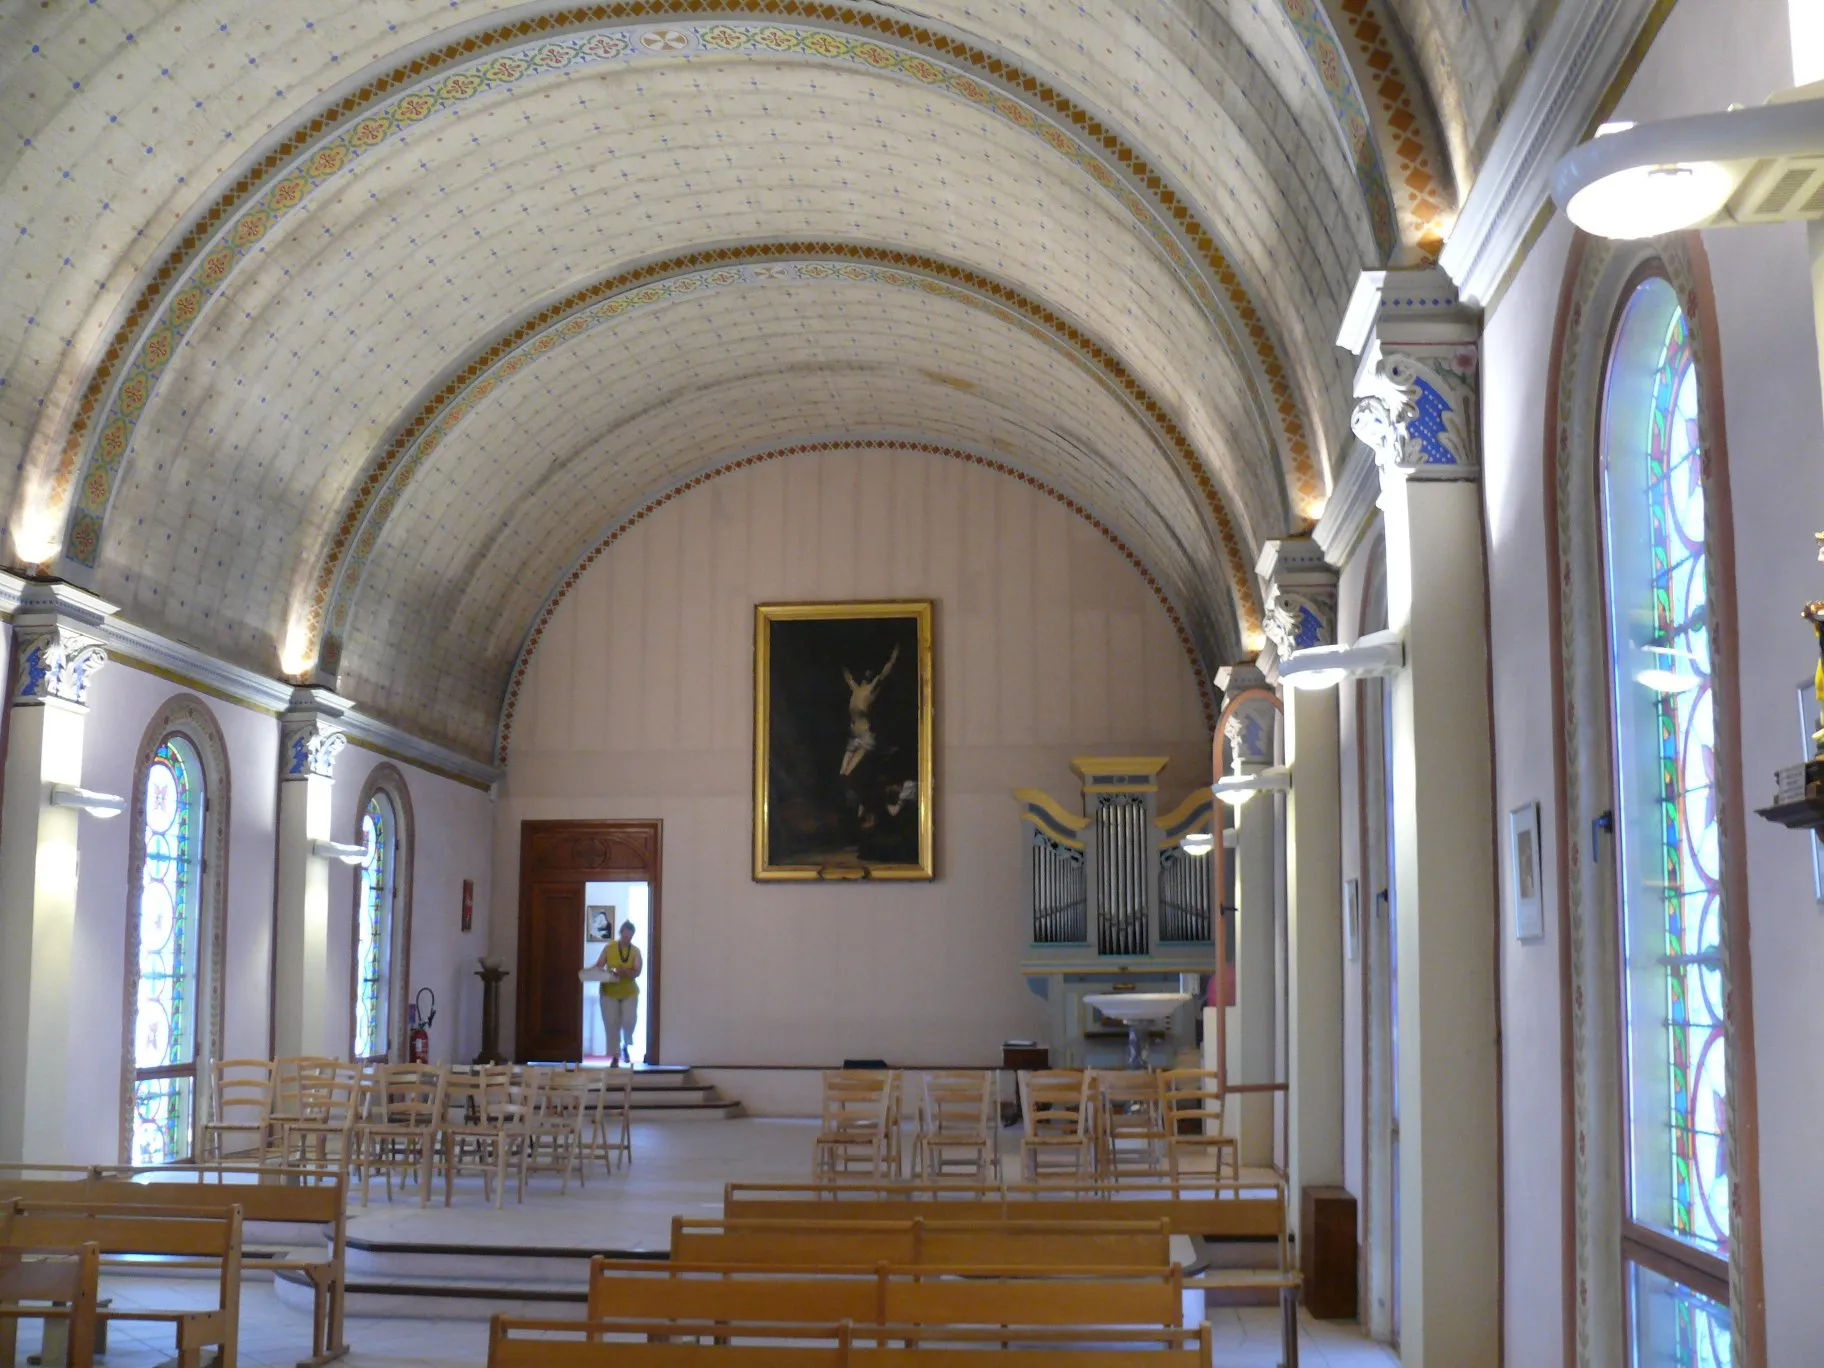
843 755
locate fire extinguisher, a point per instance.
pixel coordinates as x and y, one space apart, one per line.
419 1020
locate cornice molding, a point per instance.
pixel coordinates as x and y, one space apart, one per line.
1352 507
137 648
1562 93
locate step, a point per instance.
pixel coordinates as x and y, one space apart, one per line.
676 1096
714 1109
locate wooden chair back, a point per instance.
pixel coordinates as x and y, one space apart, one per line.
1193 1101
288 1082
69 1279
408 1097
857 1102
240 1101
957 1102
1056 1104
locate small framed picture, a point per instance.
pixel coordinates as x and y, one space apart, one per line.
468 904
599 919
1524 877
1352 920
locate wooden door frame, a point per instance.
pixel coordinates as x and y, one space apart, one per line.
613 834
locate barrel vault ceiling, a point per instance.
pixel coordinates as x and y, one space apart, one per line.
338 332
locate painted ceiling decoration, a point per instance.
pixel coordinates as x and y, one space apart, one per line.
575 572
324 145
341 328
335 592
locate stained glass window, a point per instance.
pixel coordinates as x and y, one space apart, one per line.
165 1012
1670 882
374 930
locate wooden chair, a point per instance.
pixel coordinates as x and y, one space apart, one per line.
1060 1132
490 1140
958 1126
67 1281
858 1115
555 1131
240 1103
1130 1123
183 1233
287 1090
398 1133
329 1098
611 1119
1192 1101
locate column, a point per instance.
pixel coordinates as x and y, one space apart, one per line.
1416 407
304 1022
56 656
1301 612
1250 732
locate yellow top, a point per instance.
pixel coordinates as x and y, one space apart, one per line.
621 957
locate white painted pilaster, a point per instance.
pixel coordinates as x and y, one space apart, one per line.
1250 734
57 655
1301 612
1417 408
303 1022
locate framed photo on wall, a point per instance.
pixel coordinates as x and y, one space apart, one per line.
843 741
1525 877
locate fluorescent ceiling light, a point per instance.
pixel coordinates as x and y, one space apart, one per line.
1197 843
1236 789
1737 166
339 850
89 801
1324 667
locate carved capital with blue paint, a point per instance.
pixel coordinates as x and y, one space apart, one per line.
1419 413
56 663
1300 595
310 746
1250 733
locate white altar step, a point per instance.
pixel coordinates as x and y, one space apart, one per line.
670 1092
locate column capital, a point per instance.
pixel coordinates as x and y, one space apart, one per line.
1300 595
1416 385
309 739
55 642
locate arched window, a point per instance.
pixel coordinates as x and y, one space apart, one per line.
375 901
169 933
1675 1216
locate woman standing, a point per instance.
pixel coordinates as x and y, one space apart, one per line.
620 993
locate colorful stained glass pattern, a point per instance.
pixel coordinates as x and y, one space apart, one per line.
164 1022
1674 1326
373 948
1666 767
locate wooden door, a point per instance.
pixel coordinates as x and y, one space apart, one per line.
557 862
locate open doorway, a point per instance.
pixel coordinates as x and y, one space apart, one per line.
609 906
570 872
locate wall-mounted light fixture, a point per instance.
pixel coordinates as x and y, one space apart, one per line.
1373 656
1762 165
339 850
1236 789
1197 843
88 800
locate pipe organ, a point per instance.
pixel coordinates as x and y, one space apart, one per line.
1117 903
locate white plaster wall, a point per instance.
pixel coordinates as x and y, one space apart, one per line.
452 829
639 704
122 702
1709 53
453 825
1516 353
1355 1061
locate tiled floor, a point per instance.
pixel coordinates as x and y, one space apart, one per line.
679 1168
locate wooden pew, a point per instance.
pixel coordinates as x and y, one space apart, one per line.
622 1289
292 1196
198 1233
69 1277
515 1343
985 1244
